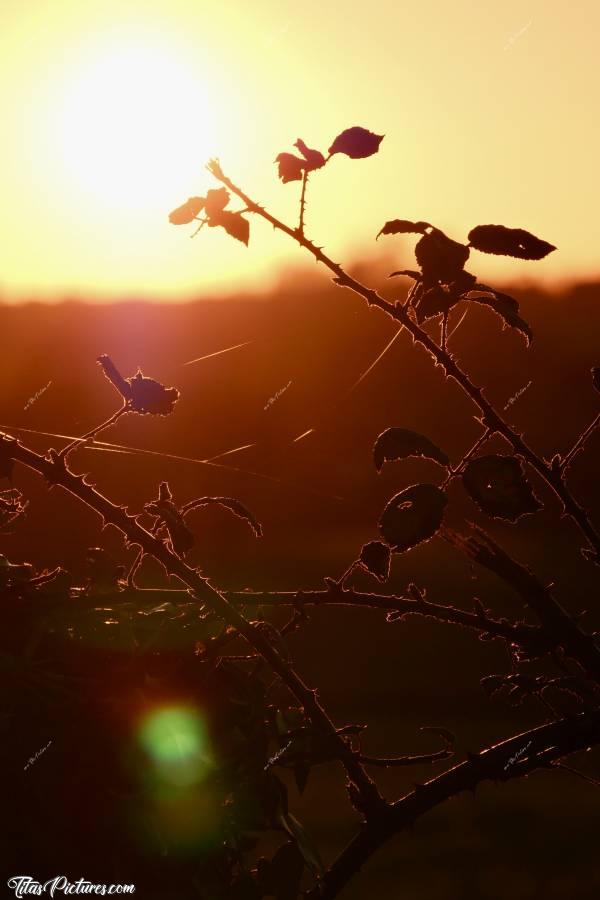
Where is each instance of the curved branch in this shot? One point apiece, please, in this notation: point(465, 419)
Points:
point(234, 506)
point(509, 759)
point(92, 434)
point(364, 791)
point(531, 636)
point(303, 202)
point(395, 761)
point(490, 418)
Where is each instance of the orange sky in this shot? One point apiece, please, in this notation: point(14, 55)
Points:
point(111, 107)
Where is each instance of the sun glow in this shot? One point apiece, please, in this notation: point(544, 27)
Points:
point(120, 117)
point(111, 108)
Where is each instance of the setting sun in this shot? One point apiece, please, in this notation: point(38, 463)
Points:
point(120, 118)
point(299, 431)
point(112, 109)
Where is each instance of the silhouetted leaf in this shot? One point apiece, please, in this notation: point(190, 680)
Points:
point(435, 301)
point(463, 283)
point(216, 201)
point(507, 308)
point(149, 396)
point(596, 378)
point(413, 516)
point(440, 258)
point(114, 376)
point(242, 512)
point(185, 214)
point(314, 158)
point(141, 394)
point(234, 224)
point(230, 503)
point(356, 142)
point(499, 487)
point(182, 539)
point(504, 241)
point(301, 774)
point(291, 168)
point(400, 443)
point(410, 273)
point(375, 557)
point(403, 226)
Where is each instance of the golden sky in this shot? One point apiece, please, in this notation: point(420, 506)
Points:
point(111, 107)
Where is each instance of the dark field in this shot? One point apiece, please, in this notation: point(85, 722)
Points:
point(318, 500)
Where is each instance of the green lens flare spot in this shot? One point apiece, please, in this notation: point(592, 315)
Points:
point(176, 740)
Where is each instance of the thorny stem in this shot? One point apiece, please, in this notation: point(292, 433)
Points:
point(412, 293)
point(365, 793)
point(302, 202)
point(459, 468)
point(556, 621)
point(530, 636)
point(512, 758)
point(490, 418)
point(92, 434)
point(203, 222)
point(402, 761)
point(415, 760)
point(341, 581)
point(130, 580)
point(541, 747)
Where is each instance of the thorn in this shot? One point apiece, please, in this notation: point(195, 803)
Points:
point(333, 585)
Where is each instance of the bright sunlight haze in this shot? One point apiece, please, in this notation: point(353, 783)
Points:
point(110, 111)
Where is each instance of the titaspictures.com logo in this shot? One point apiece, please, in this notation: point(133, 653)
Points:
point(26, 886)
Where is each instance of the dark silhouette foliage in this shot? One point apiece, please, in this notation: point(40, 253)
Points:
point(268, 728)
point(499, 487)
point(413, 516)
point(400, 443)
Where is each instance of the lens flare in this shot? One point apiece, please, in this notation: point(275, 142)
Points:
point(180, 808)
point(176, 740)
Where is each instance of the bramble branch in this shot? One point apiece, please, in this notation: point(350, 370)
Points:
point(491, 419)
point(532, 637)
point(56, 472)
point(500, 763)
point(556, 621)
